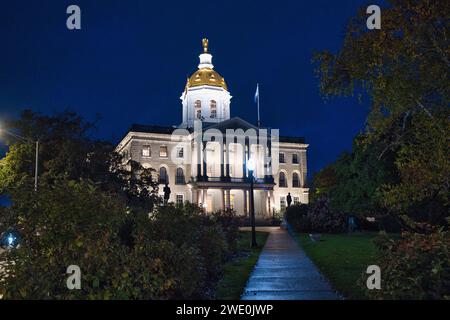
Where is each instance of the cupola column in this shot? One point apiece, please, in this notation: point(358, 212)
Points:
point(205, 173)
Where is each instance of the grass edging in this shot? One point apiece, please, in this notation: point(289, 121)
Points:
point(237, 271)
point(341, 258)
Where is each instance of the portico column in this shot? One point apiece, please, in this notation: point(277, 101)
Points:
point(244, 159)
point(228, 197)
point(199, 160)
point(222, 159)
point(205, 174)
point(204, 191)
point(269, 167)
point(194, 196)
point(222, 198)
point(245, 202)
point(198, 196)
point(227, 159)
point(271, 201)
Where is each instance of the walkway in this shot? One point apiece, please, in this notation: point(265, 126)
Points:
point(284, 272)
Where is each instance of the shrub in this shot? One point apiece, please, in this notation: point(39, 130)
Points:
point(383, 222)
point(177, 253)
point(213, 248)
point(214, 236)
point(63, 224)
point(297, 216)
point(323, 219)
point(417, 266)
point(317, 217)
point(230, 224)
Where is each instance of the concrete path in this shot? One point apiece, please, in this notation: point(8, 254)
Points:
point(284, 272)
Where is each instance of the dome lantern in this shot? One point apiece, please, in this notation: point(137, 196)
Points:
point(205, 75)
point(205, 97)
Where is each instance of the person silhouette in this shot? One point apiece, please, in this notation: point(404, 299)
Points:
point(166, 194)
point(289, 199)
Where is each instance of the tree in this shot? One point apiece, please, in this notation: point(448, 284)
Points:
point(67, 151)
point(404, 69)
point(75, 223)
point(323, 181)
point(99, 213)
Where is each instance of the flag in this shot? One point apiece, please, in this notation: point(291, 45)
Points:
point(257, 102)
point(257, 93)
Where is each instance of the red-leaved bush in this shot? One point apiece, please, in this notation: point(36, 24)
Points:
point(417, 266)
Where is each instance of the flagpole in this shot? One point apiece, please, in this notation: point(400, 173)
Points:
point(259, 120)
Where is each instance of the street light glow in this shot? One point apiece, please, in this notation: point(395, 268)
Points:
point(251, 164)
point(9, 240)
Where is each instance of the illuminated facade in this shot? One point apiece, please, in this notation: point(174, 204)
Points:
point(204, 161)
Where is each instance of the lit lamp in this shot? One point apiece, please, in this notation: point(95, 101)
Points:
point(251, 168)
point(10, 240)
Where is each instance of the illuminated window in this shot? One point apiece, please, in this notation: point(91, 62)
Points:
point(163, 152)
point(213, 109)
point(146, 151)
point(198, 109)
point(231, 201)
point(283, 203)
point(179, 200)
point(295, 180)
point(282, 180)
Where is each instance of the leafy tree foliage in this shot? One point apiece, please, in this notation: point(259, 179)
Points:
point(353, 183)
point(176, 254)
point(404, 69)
point(67, 151)
point(96, 210)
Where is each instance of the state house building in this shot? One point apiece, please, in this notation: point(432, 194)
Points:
point(215, 173)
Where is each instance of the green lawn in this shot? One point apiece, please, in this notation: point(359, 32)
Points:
point(237, 271)
point(342, 258)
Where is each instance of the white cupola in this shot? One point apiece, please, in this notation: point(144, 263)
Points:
point(205, 97)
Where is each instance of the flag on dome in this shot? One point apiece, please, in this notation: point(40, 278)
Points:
point(257, 93)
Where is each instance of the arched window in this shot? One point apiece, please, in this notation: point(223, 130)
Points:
point(179, 176)
point(295, 180)
point(213, 109)
point(163, 178)
point(282, 180)
point(198, 109)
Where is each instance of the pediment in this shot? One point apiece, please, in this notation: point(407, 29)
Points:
point(233, 123)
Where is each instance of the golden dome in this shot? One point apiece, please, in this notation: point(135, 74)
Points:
point(206, 77)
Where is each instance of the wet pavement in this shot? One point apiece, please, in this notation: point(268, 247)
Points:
point(284, 272)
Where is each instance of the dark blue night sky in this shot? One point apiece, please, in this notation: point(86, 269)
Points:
point(130, 61)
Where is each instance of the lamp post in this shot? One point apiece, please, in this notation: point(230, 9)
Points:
point(36, 165)
point(251, 168)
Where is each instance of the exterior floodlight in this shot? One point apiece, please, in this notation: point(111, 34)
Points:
point(251, 168)
point(10, 240)
point(251, 164)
